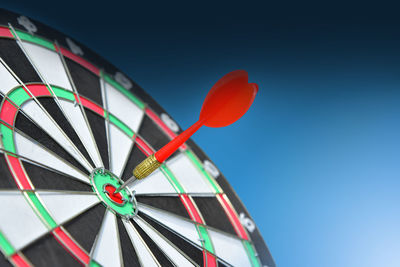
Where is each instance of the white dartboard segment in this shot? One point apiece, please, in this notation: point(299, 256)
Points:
point(188, 175)
point(156, 183)
point(107, 250)
point(123, 108)
point(77, 120)
point(33, 110)
point(172, 253)
point(120, 146)
point(49, 65)
point(7, 80)
point(31, 150)
point(143, 253)
point(229, 248)
point(64, 206)
point(177, 224)
point(21, 227)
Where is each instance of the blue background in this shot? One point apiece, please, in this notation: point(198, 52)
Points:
point(319, 149)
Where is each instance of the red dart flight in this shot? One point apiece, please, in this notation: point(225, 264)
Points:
point(226, 102)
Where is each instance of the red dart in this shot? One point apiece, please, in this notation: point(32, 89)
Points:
point(226, 102)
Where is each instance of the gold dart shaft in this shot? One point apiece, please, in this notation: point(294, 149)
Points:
point(146, 167)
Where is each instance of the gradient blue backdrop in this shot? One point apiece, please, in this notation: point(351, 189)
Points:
point(319, 149)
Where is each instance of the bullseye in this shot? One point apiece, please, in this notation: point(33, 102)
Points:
point(118, 198)
point(105, 183)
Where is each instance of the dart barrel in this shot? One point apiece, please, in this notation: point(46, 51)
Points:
point(146, 167)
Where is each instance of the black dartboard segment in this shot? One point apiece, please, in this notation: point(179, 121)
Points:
point(86, 226)
point(15, 59)
point(56, 256)
point(6, 179)
point(72, 129)
point(86, 82)
point(193, 252)
point(50, 179)
point(128, 251)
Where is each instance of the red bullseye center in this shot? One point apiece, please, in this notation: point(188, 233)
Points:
point(116, 197)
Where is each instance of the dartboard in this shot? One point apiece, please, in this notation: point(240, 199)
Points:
point(72, 129)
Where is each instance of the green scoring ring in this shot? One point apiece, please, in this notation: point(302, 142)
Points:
point(99, 179)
